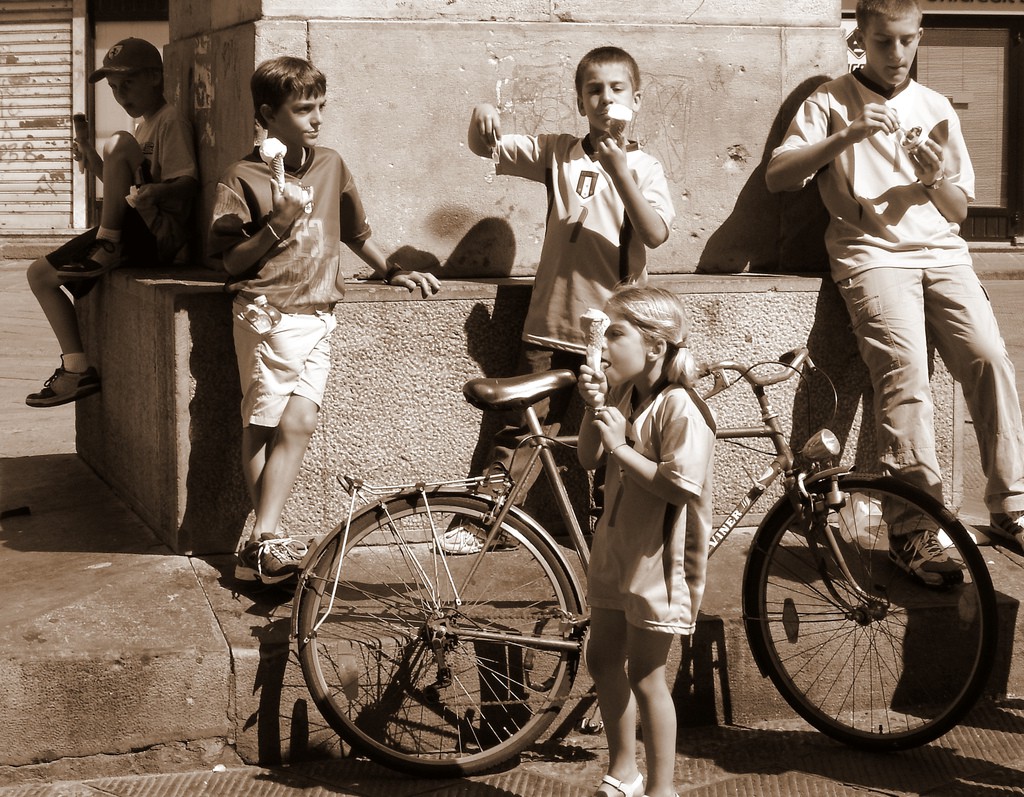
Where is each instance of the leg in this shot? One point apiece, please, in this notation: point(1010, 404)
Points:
point(606, 660)
point(56, 305)
point(283, 375)
point(551, 412)
point(256, 442)
point(122, 157)
point(504, 452)
point(284, 453)
point(647, 652)
point(75, 378)
point(967, 335)
point(886, 307)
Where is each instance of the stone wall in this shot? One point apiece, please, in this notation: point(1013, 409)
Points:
point(165, 432)
point(720, 81)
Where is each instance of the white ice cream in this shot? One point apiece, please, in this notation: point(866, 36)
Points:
point(620, 116)
point(273, 151)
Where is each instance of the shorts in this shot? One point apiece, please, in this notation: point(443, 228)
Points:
point(137, 242)
point(293, 359)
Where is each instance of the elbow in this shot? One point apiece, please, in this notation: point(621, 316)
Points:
point(773, 180)
point(778, 178)
point(656, 238)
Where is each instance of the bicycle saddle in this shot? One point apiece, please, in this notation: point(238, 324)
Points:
point(515, 392)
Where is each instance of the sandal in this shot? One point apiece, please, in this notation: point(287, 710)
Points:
point(634, 789)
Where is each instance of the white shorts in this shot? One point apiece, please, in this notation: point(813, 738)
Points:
point(293, 359)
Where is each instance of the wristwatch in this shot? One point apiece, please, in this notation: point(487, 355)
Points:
point(935, 185)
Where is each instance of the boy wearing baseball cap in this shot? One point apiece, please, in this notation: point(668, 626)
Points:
point(149, 180)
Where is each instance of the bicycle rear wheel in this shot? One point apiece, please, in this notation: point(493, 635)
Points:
point(422, 663)
point(870, 657)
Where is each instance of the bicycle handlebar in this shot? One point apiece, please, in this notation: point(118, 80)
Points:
point(793, 362)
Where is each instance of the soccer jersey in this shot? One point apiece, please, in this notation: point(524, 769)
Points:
point(304, 269)
point(649, 556)
point(589, 244)
point(880, 215)
point(168, 153)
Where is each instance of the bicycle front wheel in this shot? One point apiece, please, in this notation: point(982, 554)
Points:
point(431, 663)
point(860, 649)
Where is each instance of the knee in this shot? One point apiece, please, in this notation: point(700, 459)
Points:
point(122, 146)
point(647, 683)
point(603, 663)
point(300, 420)
point(41, 275)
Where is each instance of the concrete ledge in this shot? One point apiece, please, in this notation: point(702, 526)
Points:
point(165, 431)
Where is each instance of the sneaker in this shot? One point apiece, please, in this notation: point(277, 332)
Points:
point(460, 541)
point(465, 540)
point(1007, 527)
point(64, 387)
point(270, 560)
point(921, 555)
point(103, 256)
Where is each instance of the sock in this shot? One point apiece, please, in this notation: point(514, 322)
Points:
point(109, 235)
point(76, 362)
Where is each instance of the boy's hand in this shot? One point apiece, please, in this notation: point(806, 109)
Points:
point(873, 119)
point(927, 160)
point(593, 386)
point(289, 204)
point(484, 130)
point(411, 280)
point(611, 153)
point(145, 195)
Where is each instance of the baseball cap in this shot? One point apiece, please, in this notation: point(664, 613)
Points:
point(128, 55)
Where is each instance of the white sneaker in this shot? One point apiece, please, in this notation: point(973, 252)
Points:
point(460, 541)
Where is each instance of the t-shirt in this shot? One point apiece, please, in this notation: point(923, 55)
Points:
point(589, 244)
point(304, 269)
point(880, 215)
point(168, 153)
point(649, 556)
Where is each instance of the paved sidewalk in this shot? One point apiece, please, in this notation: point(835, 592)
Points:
point(72, 513)
point(982, 757)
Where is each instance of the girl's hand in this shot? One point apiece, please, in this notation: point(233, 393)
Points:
point(611, 425)
point(593, 386)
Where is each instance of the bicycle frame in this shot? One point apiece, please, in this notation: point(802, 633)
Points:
point(540, 448)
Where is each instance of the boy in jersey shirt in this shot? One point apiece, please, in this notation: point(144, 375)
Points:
point(894, 173)
point(284, 244)
point(608, 202)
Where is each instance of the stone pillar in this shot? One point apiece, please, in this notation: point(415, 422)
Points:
point(720, 81)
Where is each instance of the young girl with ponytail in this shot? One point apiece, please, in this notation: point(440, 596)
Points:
point(649, 554)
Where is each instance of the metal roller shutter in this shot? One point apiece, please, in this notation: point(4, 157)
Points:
point(35, 115)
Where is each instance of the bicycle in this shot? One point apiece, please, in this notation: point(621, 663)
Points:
point(446, 665)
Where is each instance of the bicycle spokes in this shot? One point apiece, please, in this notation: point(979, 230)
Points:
point(860, 648)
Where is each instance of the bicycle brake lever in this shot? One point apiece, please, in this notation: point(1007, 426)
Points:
point(721, 383)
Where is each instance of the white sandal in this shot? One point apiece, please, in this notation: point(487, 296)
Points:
point(634, 789)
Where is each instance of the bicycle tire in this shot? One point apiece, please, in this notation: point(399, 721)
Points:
point(376, 667)
point(891, 670)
